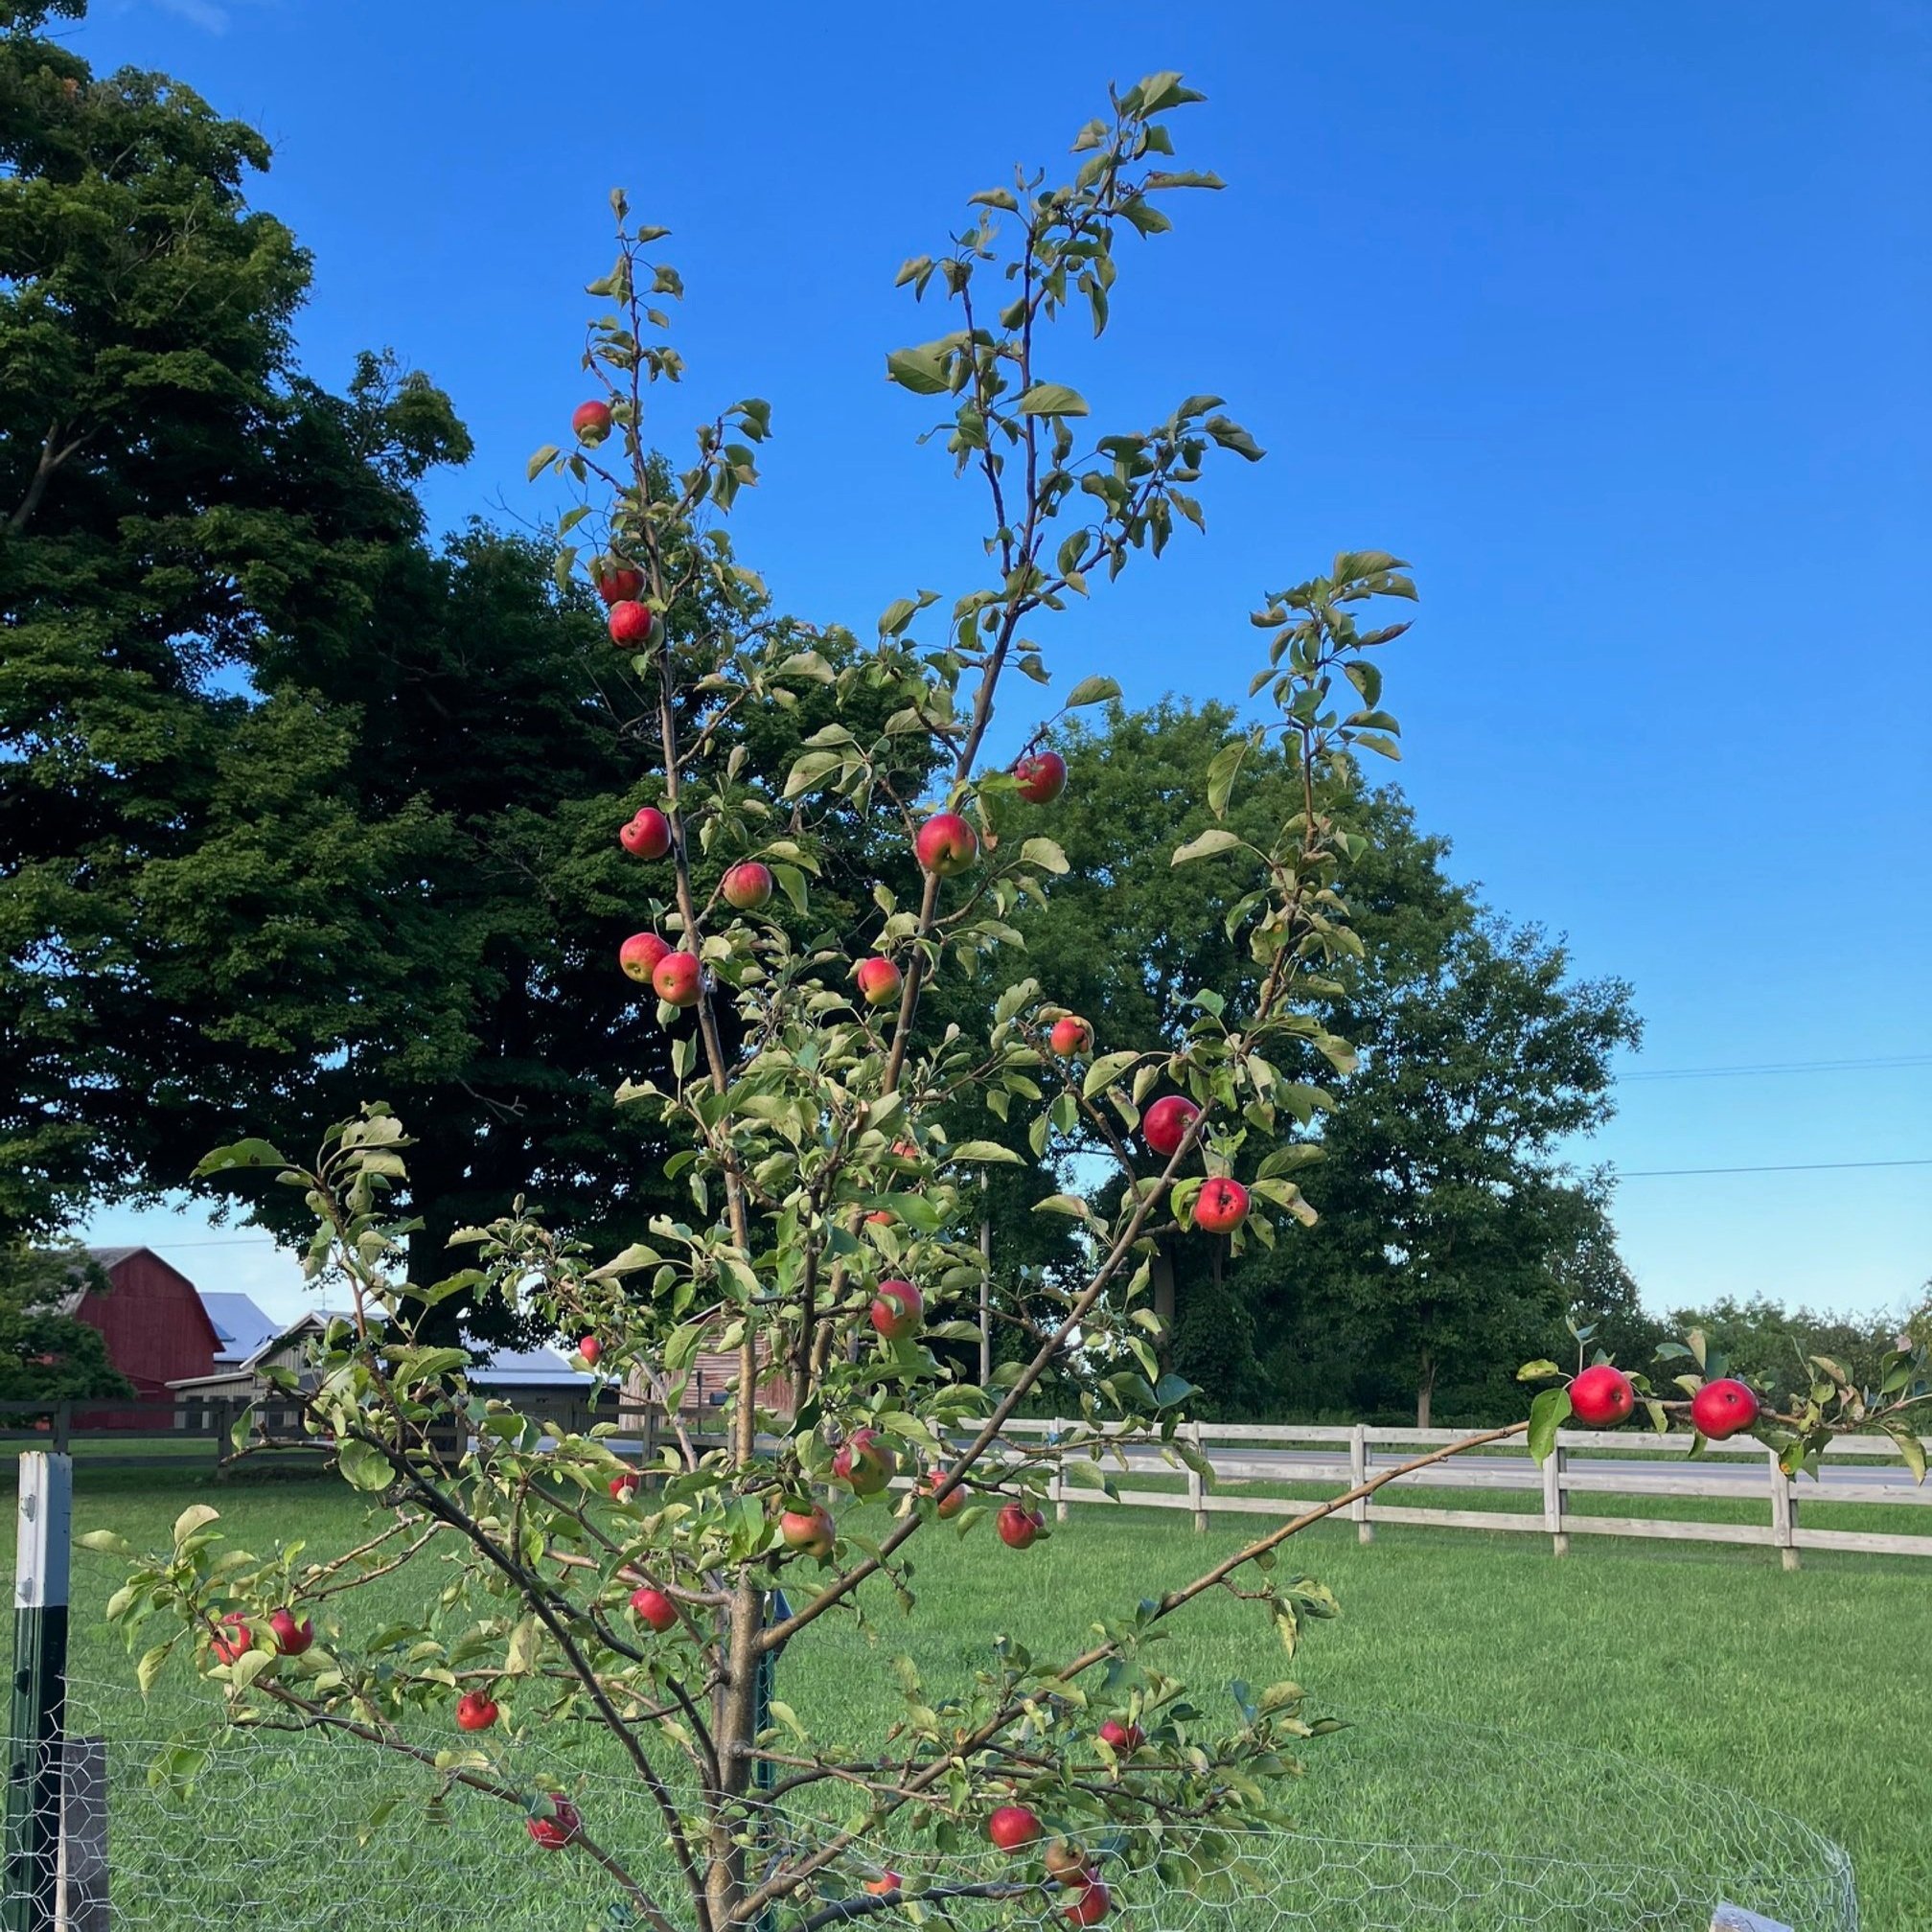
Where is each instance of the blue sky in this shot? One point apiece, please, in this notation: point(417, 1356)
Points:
point(1612, 317)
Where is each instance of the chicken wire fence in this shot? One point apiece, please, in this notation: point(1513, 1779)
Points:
point(1399, 1824)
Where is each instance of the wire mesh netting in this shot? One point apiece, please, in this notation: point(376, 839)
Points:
point(1399, 1824)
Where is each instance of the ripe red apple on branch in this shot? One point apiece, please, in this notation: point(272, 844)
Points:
point(558, 1828)
point(897, 1310)
point(946, 846)
point(590, 422)
point(617, 582)
point(1164, 1125)
point(1019, 1524)
point(291, 1639)
point(1723, 1409)
point(1601, 1397)
point(879, 981)
point(640, 954)
point(676, 979)
point(811, 1531)
point(865, 1461)
point(629, 622)
point(475, 1712)
point(1221, 1205)
point(747, 886)
point(1071, 1037)
point(653, 1607)
point(1041, 777)
point(647, 835)
point(1012, 1827)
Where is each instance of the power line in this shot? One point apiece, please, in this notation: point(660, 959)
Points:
point(1790, 1167)
point(1877, 1061)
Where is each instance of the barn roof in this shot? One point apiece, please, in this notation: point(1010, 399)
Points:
point(240, 1325)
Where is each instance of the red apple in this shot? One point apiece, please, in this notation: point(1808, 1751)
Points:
point(880, 1217)
point(865, 1462)
point(629, 622)
point(1164, 1125)
point(747, 886)
point(1122, 1737)
point(647, 835)
point(955, 1499)
point(559, 1828)
point(640, 954)
point(654, 1608)
point(1089, 1904)
point(1221, 1205)
point(896, 1310)
point(674, 978)
point(475, 1712)
point(1019, 1524)
point(292, 1638)
point(1041, 777)
point(590, 1348)
point(1066, 1863)
point(947, 845)
point(1601, 1397)
point(239, 1642)
point(1012, 1826)
point(879, 981)
point(810, 1531)
point(590, 422)
point(885, 1885)
point(1071, 1037)
point(1721, 1408)
point(617, 582)
point(625, 1487)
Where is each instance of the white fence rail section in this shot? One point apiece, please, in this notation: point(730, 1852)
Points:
point(1314, 1459)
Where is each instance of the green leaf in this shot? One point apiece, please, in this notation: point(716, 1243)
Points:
point(1051, 399)
point(1107, 1069)
point(150, 1667)
point(1091, 691)
point(1064, 1204)
point(1911, 1449)
point(921, 370)
point(1044, 854)
point(196, 1516)
point(1548, 1413)
point(983, 1153)
point(542, 461)
point(1216, 839)
point(1221, 773)
point(363, 1465)
point(242, 1154)
point(811, 769)
point(1537, 1371)
point(109, 1542)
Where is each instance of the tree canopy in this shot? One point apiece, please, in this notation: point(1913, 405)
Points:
point(1448, 1214)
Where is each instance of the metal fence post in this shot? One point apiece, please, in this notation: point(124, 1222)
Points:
point(33, 1754)
point(1553, 1499)
point(1783, 1513)
point(83, 1837)
point(1358, 1474)
point(1060, 1509)
point(1197, 1487)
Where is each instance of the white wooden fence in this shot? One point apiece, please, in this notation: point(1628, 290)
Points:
point(1311, 1459)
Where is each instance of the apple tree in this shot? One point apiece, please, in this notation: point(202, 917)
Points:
point(824, 1243)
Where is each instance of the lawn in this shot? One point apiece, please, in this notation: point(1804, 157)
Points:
point(1486, 1681)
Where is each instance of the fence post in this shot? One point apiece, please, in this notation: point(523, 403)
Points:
point(1553, 1499)
point(63, 1427)
point(1783, 1513)
point(1060, 1509)
point(83, 1837)
point(34, 1752)
point(1358, 1474)
point(1197, 1487)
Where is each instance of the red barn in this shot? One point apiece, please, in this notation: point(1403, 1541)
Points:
point(155, 1327)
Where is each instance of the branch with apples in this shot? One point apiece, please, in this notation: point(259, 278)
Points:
point(578, 1590)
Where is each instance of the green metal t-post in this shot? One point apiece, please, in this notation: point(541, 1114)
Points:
point(763, 1773)
point(35, 1743)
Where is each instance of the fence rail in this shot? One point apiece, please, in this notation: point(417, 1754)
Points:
point(1337, 1457)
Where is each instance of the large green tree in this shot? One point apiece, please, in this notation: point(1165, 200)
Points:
point(1448, 1215)
point(171, 497)
point(295, 806)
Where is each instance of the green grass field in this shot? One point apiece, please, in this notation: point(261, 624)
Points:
point(1809, 1692)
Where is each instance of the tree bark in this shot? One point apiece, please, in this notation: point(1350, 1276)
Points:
point(1425, 1389)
